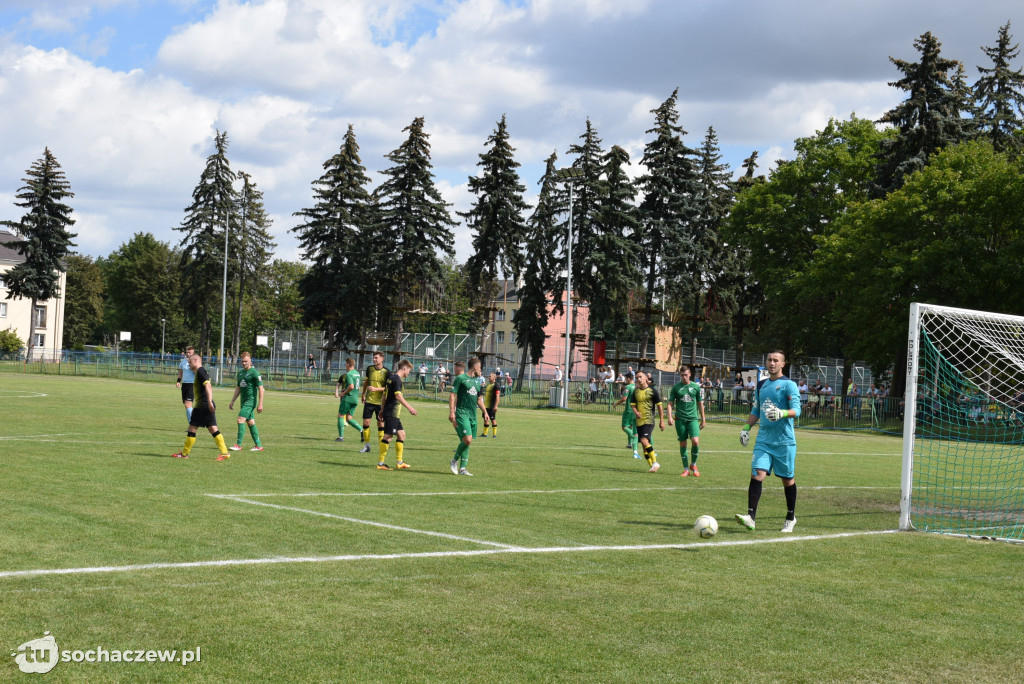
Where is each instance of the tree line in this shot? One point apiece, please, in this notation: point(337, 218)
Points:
point(821, 256)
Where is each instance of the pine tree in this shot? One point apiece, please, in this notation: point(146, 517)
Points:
point(541, 268)
point(414, 222)
point(496, 217)
point(43, 236)
point(669, 187)
point(928, 120)
point(999, 94)
point(206, 219)
point(333, 237)
point(253, 245)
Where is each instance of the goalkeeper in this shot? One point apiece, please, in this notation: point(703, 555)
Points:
point(775, 448)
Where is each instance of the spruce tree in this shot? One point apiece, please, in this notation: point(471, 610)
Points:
point(43, 238)
point(928, 120)
point(333, 237)
point(253, 246)
point(496, 217)
point(999, 95)
point(206, 219)
point(699, 254)
point(669, 187)
point(414, 222)
point(614, 257)
point(541, 268)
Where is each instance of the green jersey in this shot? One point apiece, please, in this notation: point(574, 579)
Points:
point(466, 391)
point(685, 400)
point(645, 400)
point(249, 382)
point(627, 410)
point(350, 378)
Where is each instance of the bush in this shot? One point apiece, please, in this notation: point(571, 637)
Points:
point(10, 343)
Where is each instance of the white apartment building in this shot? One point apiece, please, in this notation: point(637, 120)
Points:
point(41, 329)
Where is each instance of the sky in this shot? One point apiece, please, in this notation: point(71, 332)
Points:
point(128, 94)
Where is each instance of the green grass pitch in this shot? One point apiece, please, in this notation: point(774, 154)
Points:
point(562, 560)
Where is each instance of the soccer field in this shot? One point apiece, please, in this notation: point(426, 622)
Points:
point(562, 560)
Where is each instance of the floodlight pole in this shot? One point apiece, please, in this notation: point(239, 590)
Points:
point(163, 331)
point(569, 175)
point(223, 302)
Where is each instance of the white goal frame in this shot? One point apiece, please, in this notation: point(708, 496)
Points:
point(917, 313)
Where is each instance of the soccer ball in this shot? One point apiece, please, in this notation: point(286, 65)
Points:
point(706, 527)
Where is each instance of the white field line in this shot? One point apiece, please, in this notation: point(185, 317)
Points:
point(40, 437)
point(366, 522)
point(521, 491)
point(428, 554)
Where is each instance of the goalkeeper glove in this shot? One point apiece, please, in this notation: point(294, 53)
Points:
point(745, 436)
point(773, 413)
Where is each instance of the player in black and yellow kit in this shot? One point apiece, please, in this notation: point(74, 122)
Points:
point(203, 411)
point(645, 401)
point(392, 411)
point(377, 377)
point(492, 397)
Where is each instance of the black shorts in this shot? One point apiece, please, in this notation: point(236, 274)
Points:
point(644, 432)
point(187, 393)
point(370, 410)
point(491, 413)
point(203, 417)
point(392, 425)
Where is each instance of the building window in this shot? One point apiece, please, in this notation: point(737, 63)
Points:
point(3, 309)
point(499, 315)
point(501, 337)
point(39, 340)
point(512, 336)
point(39, 320)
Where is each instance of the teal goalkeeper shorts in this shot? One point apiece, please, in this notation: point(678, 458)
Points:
point(777, 458)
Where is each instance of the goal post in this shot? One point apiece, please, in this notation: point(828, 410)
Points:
point(963, 423)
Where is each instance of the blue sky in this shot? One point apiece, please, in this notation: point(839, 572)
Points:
point(129, 93)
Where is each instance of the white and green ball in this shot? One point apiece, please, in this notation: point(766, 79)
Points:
point(706, 527)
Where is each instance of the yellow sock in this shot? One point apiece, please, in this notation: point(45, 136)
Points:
point(219, 439)
point(383, 452)
point(189, 443)
point(486, 428)
point(399, 450)
point(365, 434)
point(494, 431)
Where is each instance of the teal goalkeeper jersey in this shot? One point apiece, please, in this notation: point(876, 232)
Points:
point(784, 394)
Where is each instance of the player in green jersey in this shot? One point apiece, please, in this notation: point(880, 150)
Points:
point(248, 385)
point(628, 419)
point(347, 392)
point(462, 405)
point(686, 404)
point(646, 400)
point(492, 397)
point(376, 376)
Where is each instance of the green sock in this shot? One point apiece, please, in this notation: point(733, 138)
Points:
point(682, 453)
point(354, 424)
point(341, 426)
point(254, 431)
point(241, 434)
point(694, 450)
point(462, 453)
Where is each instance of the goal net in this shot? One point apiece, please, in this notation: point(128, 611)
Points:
point(963, 425)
